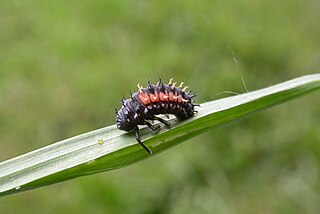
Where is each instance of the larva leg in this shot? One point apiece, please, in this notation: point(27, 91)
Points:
point(162, 121)
point(154, 128)
point(139, 140)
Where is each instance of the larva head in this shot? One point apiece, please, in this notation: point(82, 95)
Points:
point(123, 120)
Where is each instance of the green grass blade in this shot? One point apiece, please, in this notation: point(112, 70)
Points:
point(109, 148)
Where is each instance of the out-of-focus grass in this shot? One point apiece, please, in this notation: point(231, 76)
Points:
point(64, 66)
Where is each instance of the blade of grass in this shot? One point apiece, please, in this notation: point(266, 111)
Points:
point(109, 148)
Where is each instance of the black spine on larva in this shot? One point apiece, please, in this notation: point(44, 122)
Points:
point(134, 112)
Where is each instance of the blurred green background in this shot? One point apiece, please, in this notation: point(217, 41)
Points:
point(65, 64)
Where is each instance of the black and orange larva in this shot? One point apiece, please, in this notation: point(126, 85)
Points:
point(153, 100)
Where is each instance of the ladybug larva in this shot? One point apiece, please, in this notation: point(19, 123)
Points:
point(153, 100)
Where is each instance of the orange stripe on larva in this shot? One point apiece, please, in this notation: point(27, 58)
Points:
point(175, 98)
point(163, 96)
point(171, 96)
point(144, 97)
point(154, 97)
